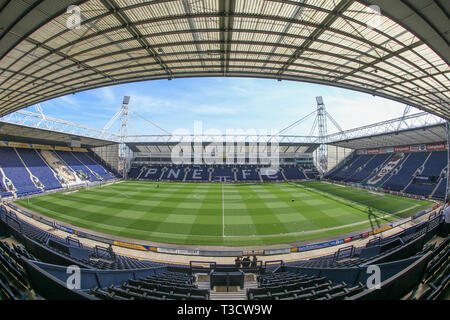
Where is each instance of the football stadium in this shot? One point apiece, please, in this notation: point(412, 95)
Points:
point(355, 213)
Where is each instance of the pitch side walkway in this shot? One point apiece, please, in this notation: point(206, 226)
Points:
point(185, 259)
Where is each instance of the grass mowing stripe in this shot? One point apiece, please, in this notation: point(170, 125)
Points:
point(223, 213)
point(326, 220)
point(187, 213)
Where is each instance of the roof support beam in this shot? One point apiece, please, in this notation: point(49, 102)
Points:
point(88, 61)
point(134, 31)
point(328, 21)
point(226, 7)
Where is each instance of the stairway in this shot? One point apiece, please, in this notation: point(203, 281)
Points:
point(283, 175)
point(235, 293)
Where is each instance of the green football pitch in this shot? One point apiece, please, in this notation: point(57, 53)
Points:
point(223, 214)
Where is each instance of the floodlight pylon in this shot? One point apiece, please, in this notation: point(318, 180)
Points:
point(322, 159)
point(123, 154)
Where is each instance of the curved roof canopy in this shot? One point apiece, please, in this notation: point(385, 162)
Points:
point(401, 55)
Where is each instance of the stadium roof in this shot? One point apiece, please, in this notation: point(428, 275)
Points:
point(165, 144)
point(403, 57)
point(408, 137)
point(20, 133)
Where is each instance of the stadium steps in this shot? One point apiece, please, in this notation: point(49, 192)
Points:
point(162, 173)
point(89, 169)
point(440, 181)
point(361, 168)
point(235, 293)
point(240, 294)
point(28, 170)
point(378, 169)
point(283, 175)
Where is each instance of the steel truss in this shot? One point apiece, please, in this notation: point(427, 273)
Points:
point(40, 121)
point(282, 139)
point(407, 122)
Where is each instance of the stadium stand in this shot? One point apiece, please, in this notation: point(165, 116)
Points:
point(294, 173)
point(198, 173)
point(417, 173)
point(172, 173)
point(366, 170)
point(269, 174)
point(40, 263)
point(214, 173)
point(25, 172)
point(100, 171)
point(352, 166)
point(14, 169)
point(80, 169)
point(248, 173)
point(223, 174)
point(37, 166)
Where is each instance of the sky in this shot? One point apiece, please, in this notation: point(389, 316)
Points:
point(221, 104)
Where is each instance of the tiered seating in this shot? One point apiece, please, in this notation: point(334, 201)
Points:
point(166, 286)
point(14, 169)
point(10, 261)
point(348, 170)
point(90, 162)
point(294, 286)
point(220, 173)
point(3, 189)
point(441, 189)
point(432, 171)
point(198, 173)
point(121, 263)
point(399, 172)
point(312, 173)
point(174, 173)
point(223, 174)
point(247, 174)
point(403, 177)
point(384, 246)
point(294, 173)
point(371, 165)
point(75, 164)
point(39, 168)
point(98, 258)
point(26, 166)
point(326, 278)
point(271, 175)
point(146, 172)
point(8, 291)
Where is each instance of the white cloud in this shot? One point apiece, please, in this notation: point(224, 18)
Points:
point(107, 95)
